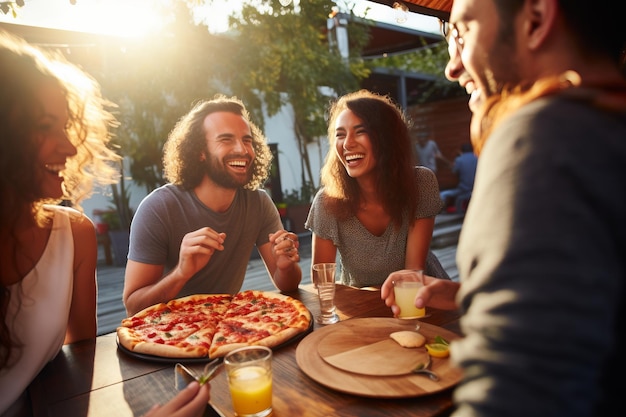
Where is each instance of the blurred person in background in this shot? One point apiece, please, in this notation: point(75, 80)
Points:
point(428, 152)
point(465, 169)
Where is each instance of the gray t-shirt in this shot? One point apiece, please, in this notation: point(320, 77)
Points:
point(168, 213)
point(366, 259)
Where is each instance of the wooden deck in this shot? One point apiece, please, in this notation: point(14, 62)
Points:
point(111, 278)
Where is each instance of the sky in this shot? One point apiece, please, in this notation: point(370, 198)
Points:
point(120, 17)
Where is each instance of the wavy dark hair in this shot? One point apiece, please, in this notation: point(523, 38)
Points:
point(24, 70)
point(388, 129)
point(187, 141)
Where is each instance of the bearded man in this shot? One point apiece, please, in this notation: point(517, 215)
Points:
point(195, 234)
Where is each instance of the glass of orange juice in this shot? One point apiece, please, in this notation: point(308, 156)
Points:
point(249, 373)
point(406, 283)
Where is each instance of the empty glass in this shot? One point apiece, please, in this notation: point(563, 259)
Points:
point(324, 280)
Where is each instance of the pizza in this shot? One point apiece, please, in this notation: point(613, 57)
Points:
point(211, 325)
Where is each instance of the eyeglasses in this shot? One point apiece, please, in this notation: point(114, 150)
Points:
point(451, 32)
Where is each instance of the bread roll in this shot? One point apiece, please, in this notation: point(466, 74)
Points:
point(408, 339)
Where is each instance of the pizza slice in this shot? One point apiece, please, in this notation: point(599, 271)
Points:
point(210, 304)
point(270, 307)
point(166, 341)
point(162, 330)
point(234, 333)
point(200, 341)
point(258, 318)
point(153, 315)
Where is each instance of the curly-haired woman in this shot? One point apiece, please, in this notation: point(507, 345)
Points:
point(376, 207)
point(54, 131)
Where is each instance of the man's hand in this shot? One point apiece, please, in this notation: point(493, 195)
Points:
point(285, 248)
point(437, 293)
point(190, 402)
point(196, 250)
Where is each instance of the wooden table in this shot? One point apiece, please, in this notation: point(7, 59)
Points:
point(95, 378)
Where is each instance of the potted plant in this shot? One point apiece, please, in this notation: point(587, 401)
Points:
point(298, 205)
point(118, 219)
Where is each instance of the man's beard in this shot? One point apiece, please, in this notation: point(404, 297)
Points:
point(217, 172)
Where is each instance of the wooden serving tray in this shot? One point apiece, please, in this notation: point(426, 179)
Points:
point(388, 357)
point(358, 357)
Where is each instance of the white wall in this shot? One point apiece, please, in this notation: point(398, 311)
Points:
point(279, 129)
point(102, 198)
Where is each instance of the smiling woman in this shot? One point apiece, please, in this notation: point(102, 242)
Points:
point(112, 17)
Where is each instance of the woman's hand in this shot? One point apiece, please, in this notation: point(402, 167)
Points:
point(190, 402)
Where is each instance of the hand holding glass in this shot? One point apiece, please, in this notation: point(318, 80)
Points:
point(249, 371)
point(405, 287)
point(324, 280)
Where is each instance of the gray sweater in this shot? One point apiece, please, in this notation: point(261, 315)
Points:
point(542, 262)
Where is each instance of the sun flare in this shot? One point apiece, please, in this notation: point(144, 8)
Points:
point(125, 18)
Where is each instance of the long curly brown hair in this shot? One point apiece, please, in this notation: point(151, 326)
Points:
point(389, 133)
point(24, 70)
point(187, 142)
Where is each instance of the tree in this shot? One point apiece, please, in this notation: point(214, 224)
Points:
point(281, 55)
point(273, 56)
point(153, 84)
point(11, 6)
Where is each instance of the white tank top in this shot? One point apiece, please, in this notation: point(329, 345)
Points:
point(39, 310)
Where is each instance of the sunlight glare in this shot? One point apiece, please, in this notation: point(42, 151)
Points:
point(215, 15)
point(123, 18)
point(117, 17)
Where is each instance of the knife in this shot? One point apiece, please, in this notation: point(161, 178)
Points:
point(183, 375)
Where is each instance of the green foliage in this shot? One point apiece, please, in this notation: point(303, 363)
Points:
point(432, 60)
point(281, 55)
point(272, 56)
point(302, 196)
point(112, 219)
point(11, 6)
point(155, 83)
point(120, 213)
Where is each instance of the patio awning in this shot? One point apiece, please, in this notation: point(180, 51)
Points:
point(436, 8)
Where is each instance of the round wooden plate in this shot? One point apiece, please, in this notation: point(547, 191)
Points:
point(359, 341)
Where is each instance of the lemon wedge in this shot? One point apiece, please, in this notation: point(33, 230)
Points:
point(438, 350)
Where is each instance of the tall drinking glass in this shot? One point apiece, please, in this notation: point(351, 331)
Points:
point(324, 280)
point(249, 372)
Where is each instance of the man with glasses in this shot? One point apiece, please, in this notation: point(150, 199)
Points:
point(541, 255)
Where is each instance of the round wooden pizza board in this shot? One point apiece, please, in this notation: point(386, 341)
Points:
point(358, 357)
